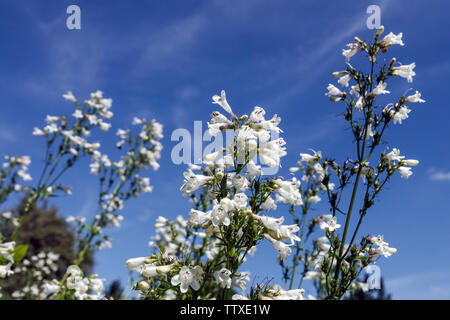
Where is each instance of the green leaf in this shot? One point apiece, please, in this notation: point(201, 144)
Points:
point(20, 252)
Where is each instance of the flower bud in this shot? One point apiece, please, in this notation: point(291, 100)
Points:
point(143, 286)
point(410, 162)
point(379, 32)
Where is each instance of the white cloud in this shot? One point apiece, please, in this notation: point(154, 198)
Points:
point(438, 175)
point(421, 286)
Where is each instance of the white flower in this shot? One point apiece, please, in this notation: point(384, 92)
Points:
point(343, 81)
point(329, 222)
point(5, 270)
point(137, 121)
point(240, 279)
point(289, 192)
point(150, 270)
point(359, 105)
point(222, 276)
point(383, 248)
point(188, 277)
point(219, 215)
point(269, 204)
point(405, 71)
point(135, 263)
point(410, 162)
point(400, 115)
point(415, 98)
point(69, 97)
point(310, 158)
point(279, 294)
point(257, 114)
point(197, 217)
point(394, 155)
point(380, 88)
point(78, 114)
point(353, 49)
point(333, 91)
point(222, 101)
point(38, 132)
point(283, 249)
point(240, 182)
point(272, 151)
point(405, 172)
point(391, 39)
point(253, 170)
point(193, 181)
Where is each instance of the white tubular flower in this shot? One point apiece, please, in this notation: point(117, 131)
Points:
point(272, 151)
point(282, 248)
point(38, 132)
point(223, 277)
point(410, 162)
point(271, 125)
point(269, 204)
point(289, 192)
point(217, 123)
point(222, 101)
point(405, 172)
point(219, 215)
point(78, 114)
point(380, 89)
point(353, 49)
point(137, 121)
point(415, 98)
point(197, 217)
point(394, 155)
point(329, 222)
point(240, 279)
point(212, 156)
point(383, 248)
point(5, 270)
point(239, 202)
point(135, 263)
point(400, 115)
point(391, 39)
point(405, 71)
point(240, 182)
point(188, 277)
point(193, 181)
point(333, 91)
point(69, 97)
point(276, 293)
point(253, 170)
point(343, 81)
point(355, 90)
point(257, 114)
point(150, 270)
point(308, 158)
point(359, 104)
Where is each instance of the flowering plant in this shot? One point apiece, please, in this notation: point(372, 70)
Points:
point(234, 200)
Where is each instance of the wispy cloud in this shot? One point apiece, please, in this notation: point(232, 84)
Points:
point(421, 286)
point(439, 175)
point(7, 134)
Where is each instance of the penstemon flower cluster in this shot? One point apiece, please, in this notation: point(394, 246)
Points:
point(201, 257)
point(67, 141)
point(235, 204)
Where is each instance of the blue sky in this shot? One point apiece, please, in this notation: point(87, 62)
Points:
point(165, 59)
